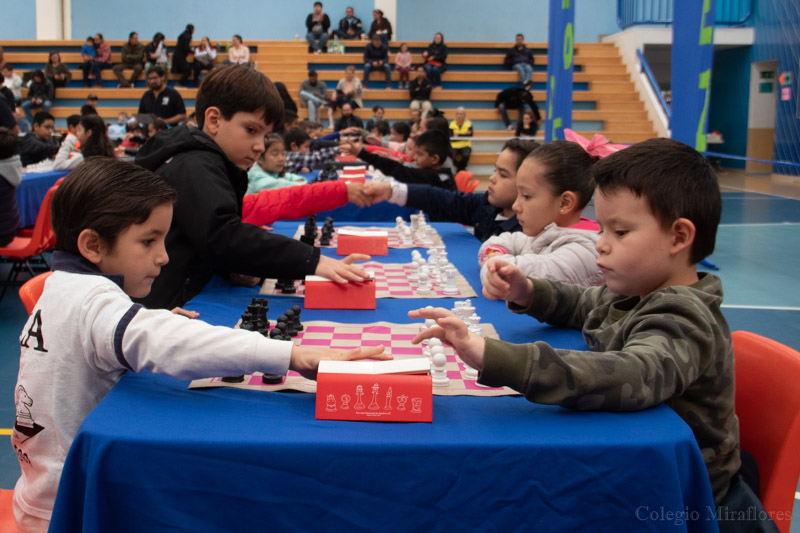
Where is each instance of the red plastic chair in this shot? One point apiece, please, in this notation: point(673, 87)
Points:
point(7, 522)
point(768, 407)
point(464, 181)
point(26, 251)
point(31, 290)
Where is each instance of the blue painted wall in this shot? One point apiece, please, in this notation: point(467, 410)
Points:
point(19, 19)
point(252, 19)
point(777, 27)
point(730, 89)
point(482, 20)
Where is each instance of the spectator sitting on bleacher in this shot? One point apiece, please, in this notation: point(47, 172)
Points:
point(349, 89)
point(348, 119)
point(528, 125)
point(376, 56)
point(350, 27)
point(10, 178)
point(155, 53)
point(90, 107)
point(161, 100)
point(377, 114)
point(132, 58)
point(183, 48)
point(314, 95)
point(103, 60)
point(381, 27)
point(402, 64)
point(515, 98)
point(92, 135)
point(116, 132)
point(88, 56)
point(38, 144)
point(461, 127)
point(6, 94)
point(13, 83)
point(56, 71)
point(40, 95)
point(520, 58)
point(204, 56)
point(419, 91)
point(435, 57)
point(238, 53)
point(317, 25)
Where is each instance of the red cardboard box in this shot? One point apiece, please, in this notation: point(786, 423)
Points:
point(323, 293)
point(362, 242)
point(373, 391)
point(353, 179)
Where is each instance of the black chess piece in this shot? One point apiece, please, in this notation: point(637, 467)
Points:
point(247, 322)
point(286, 286)
point(272, 379)
point(281, 326)
point(234, 379)
point(291, 328)
point(275, 333)
point(296, 310)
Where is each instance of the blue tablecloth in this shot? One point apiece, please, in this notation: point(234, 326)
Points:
point(31, 192)
point(155, 456)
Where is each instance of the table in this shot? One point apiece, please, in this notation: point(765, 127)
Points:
point(31, 192)
point(155, 456)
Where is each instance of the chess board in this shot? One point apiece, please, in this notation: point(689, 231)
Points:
point(394, 238)
point(396, 338)
point(391, 281)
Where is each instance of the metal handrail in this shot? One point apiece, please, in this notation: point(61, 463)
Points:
point(654, 83)
point(648, 12)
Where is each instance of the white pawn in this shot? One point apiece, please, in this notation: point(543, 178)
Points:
point(434, 342)
point(473, 323)
point(424, 286)
point(433, 350)
point(450, 283)
point(469, 372)
point(415, 255)
point(439, 374)
point(414, 274)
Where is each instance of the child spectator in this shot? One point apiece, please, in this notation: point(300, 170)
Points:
point(40, 95)
point(56, 71)
point(432, 150)
point(155, 126)
point(402, 64)
point(91, 133)
point(111, 220)
point(655, 330)
point(376, 56)
point(13, 82)
point(134, 136)
point(435, 57)
point(155, 53)
point(204, 56)
point(419, 91)
point(238, 53)
point(461, 127)
point(528, 125)
point(490, 212)
point(235, 108)
point(269, 171)
point(314, 95)
point(10, 178)
point(378, 113)
point(88, 56)
point(38, 144)
point(380, 130)
point(90, 107)
point(554, 184)
point(133, 57)
point(515, 98)
point(116, 132)
point(72, 123)
point(299, 156)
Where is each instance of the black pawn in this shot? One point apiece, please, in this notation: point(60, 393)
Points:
point(272, 379)
point(291, 329)
point(275, 333)
point(282, 328)
point(296, 310)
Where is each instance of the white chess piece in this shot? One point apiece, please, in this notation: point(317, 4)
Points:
point(450, 284)
point(414, 274)
point(469, 372)
point(473, 323)
point(439, 374)
point(424, 286)
point(435, 350)
point(433, 342)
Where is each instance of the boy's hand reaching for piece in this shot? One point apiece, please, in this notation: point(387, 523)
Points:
point(305, 360)
point(378, 192)
point(344, 270)
point(505, 281)
point(453, 331)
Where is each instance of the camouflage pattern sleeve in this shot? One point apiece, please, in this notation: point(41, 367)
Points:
point(560, 304)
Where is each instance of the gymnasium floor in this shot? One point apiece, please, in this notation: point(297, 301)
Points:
point(757, 245)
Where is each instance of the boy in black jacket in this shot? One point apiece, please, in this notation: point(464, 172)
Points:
point(235, 108)
point(38, 145)
point(489, 212)
point(433, 148)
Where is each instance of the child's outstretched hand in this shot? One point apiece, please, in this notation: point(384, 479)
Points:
point(505, 281)
point(344, 270)
point(452, 331)
point(350, 146)
point(357, 195)
point(378, 192)
point(185, 312)
point(305, 360)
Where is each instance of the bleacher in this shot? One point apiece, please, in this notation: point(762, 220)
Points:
point(604, 98)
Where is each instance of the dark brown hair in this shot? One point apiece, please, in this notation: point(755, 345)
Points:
point(520, 148)
point(674, 179)
point(107, 196)
point(235, 88)
point(567, 167)
point(98, 143)
point(9, 145)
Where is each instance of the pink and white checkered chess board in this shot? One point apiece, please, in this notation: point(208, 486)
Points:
point(394, 238)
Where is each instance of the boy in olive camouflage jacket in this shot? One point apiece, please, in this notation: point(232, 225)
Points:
point(655, 330)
